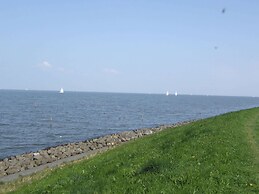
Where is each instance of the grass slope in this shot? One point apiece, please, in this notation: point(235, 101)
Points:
point(215, 155)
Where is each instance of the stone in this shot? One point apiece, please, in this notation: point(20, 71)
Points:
point(19, 158)
point(2, 174)
point(13, 169)
point(99, 145)
point(79, 151)
point(127, 135)
point(36, 154)
point(13, 162)
point(12, 158)
point(92, 147)
point(22, 168)
point(85, 148)
point(29, 156)
point(6, 160)
point(146, 131)
point(29, 166)
point(37, 157)
point(3, 167)
point(68, 153)
point(25, 162)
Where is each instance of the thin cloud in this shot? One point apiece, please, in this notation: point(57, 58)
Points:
point(61, 69)
point(45, 65)
point(111, 71)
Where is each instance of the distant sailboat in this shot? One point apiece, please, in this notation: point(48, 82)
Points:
point(167, 93)
point(176, 94)
point(61, 91)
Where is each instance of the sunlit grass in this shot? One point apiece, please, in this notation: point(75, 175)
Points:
point(208, 156)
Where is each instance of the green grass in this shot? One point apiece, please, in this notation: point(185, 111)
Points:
point(215, 155)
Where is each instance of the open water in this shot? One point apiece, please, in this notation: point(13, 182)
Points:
point(32, 120)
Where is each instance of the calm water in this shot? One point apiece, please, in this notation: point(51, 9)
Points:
point(32, 120)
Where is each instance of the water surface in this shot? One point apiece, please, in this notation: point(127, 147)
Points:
point(32, 120)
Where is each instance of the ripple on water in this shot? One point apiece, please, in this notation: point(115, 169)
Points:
point(4, 124)
point(35, 120)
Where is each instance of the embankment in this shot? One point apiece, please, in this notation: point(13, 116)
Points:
point(27, 162)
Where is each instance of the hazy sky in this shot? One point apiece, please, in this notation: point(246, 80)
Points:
point(146, 46)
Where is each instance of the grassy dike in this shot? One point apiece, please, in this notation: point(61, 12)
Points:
point(215, 155)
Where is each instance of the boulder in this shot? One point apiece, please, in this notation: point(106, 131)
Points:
point(2, 174)
point(29, 166)
point(146, 131)
point(127, 135)
point(3, 167)
point(13, 169)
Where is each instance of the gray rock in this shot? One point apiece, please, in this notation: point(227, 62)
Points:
point(127, 135)
point(13, 162)
point(37, 156)
point(29, 156)
point(13, 169)
point(146, 131)
point(25, 162)
point(6, 160)
point(99, 145)
point(91, 147)
point(2, 174)
point(3, 167)
point(29, 166)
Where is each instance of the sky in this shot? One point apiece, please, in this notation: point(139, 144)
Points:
point(133, 46)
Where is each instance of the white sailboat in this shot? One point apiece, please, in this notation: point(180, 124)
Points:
point(176, 94)
point(61, 91)
point(167, 93)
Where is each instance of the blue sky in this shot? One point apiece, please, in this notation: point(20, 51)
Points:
point(142, 46)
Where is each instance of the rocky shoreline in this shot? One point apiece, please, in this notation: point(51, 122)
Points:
point(27, 161)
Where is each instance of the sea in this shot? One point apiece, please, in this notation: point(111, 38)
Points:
point(33, 120)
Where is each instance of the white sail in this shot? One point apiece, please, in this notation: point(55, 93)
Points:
point(61, 91)
point(167, 93)
point(176, 94)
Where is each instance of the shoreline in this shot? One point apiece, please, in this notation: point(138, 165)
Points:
point(11, 168)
